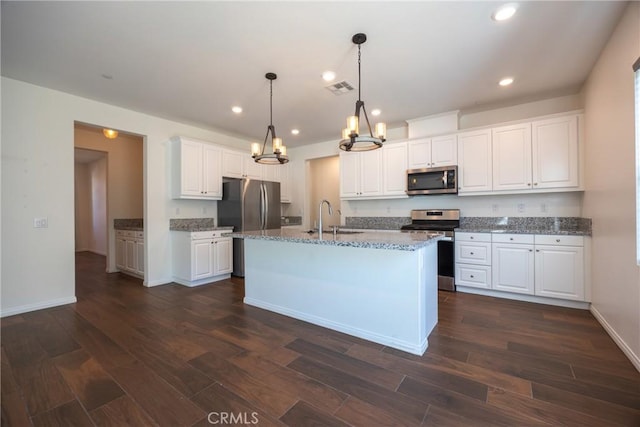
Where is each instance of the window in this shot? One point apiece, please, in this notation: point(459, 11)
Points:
point(636, 70)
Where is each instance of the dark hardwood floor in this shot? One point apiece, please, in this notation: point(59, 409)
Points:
point(126, 355)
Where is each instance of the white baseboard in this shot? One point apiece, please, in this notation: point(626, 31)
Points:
point(192, 284)
point(523, 297)
point(635, 360)
point(38, 306)
point(157, 282)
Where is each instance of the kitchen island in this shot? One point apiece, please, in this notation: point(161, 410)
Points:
point(379, 286)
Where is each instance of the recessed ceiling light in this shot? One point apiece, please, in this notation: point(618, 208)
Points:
point(375, 112)
point(328, 76)
point(236, 109)
point(505, 12)
point(295, 131)
point(506, 81)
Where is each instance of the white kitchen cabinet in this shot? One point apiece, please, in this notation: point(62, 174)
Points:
point(474, 161)
point(394, 167)
point(253, 170)
point(433, 152)
point(559, 267)
point(473, 260)
point(130, 252)
point(196, 169)
point(233, 164)
point(555, 152)
point(201, 257)
point(361, 174)
point(285, 182)
point(513, 263)
point(511, 148)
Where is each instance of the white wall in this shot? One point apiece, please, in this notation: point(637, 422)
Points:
point(549, 204)
point(610, 196)
point(37, 181)
point(83, 208)
point(99, 224)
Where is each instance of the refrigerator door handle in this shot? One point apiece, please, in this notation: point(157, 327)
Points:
point(266, 206)
point(263, 203)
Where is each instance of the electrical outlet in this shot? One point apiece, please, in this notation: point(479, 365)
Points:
point(521, 207)
point(204, 210)
point(177, 211)
point(494, 207)
point(543, 207)
point(40, 223)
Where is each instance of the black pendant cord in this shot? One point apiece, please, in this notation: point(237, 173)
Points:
point(360, 102)
point(270, 128)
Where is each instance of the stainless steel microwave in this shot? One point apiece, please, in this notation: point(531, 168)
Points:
point(442, 180)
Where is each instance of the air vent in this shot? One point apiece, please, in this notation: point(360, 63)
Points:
point(340, 87)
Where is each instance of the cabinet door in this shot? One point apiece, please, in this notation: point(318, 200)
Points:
point(139, 256)
point(201, 259)
point(190, 168)
point(555, 152)
point(349, 175)
point(121, 253)
point(271, 172)
point(252, 169)
point(232, 163)
point(419, 154)
point(512, 268)
point(285, 185)
point(131, 257)
point(370, 173)
point(474, 161)
point(211, 172)
point(223, 256)
point(511, 146)
point(560, 272)
point(394, 160)
point(444, 151)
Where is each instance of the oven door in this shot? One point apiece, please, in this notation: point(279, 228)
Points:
point(446, 262)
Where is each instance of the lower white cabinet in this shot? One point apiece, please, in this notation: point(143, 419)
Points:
point(201, 257)
point(512, 263)
point(559, 269)
point(551, 266)
point(130, 252)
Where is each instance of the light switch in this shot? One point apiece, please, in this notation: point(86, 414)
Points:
point(40, 223)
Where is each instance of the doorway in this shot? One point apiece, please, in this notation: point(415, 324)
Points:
point(323, 183)
point(109, 185)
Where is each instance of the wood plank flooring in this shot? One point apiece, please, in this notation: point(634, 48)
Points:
point(126, 355)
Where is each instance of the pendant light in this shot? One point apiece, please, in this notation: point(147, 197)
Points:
point(278, 155)
point(110, 133)
point(351, 138)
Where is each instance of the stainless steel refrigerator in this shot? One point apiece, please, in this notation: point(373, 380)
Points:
point(248, 205)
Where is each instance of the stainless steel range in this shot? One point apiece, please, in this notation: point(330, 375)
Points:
point(443, 221)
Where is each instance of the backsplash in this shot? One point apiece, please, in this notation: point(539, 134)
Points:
point(377, 222)
point(190, 224)
point(530, 223)
point(128, 223)
point(290, 220)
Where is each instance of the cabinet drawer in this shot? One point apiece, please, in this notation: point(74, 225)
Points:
point(139, 234)
point(477, 276)
point(211, 234)
point(560, 240)
point(525, 239)
point(473, 237)
point(473, 253)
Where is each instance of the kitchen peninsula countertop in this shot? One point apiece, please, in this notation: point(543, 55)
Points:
point(390, 240)
point(569, 226)
point(131, 224)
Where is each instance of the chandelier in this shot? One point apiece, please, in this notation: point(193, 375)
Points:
point(351, 138)
point(278, 155)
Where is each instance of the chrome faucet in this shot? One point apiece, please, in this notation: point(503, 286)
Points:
point(320, 216)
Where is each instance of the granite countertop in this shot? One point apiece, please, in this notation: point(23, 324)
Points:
point(195, 224)
point(568, 226)
point(387, 240)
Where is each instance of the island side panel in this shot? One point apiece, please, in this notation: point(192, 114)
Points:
point(385, 296)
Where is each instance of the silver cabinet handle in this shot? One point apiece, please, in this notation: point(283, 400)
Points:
point(558, 240)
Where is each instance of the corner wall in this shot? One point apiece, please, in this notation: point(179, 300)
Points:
point(610, 196)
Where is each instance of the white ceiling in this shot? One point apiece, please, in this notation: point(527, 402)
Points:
point(191, 61)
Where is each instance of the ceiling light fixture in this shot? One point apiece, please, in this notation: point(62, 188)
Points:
point(295, 132)
point(506, 81)
point(375, 112)
point(328, 76)
point(505, 12)
point(351, 138)
point(236, 109)
point(279, 154)
point(110, 133)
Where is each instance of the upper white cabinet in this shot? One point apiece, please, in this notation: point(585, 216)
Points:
point(251, 169)
point(233, 164)
point(474, 161)
point(433, 152)
point(285, 182)
point(238, 164)
point(394, 166)
point(511, 146)
point(196, 170)
point(361, 174)
point(555, 152)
